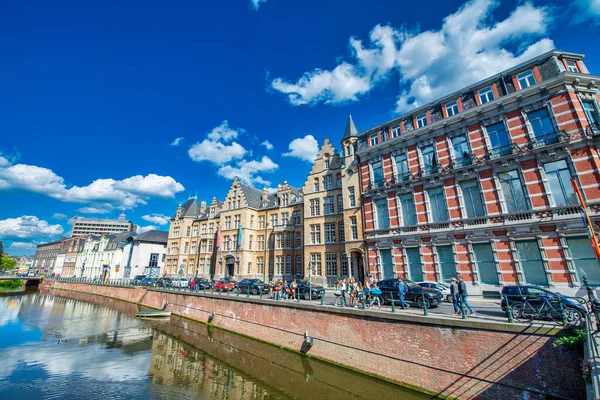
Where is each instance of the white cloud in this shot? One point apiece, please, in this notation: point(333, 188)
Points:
point(144, 229)
point(267, 145)
point(468, 47)
point(216, 152)
point(177, 141)
point(224, 132)
point(128, 192)
point(256, 3)
point(23, 246)
point(246, 170)
point(27, 227)
point(584, 10)
point(305, 148)
point(59, 216)
point(93, 210)
point(159, 219)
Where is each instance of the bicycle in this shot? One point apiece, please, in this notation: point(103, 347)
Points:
point(525, 312)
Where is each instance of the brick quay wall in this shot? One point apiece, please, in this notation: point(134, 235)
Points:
point(448, 357)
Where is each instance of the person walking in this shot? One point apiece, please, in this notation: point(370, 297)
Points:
point(454, 294)
point(193, 284)
point(402, 293)
point(462, 294)
point(343, 290)
point(294, 287)
point(375, 293)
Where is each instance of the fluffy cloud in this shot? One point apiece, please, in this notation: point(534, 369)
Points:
point(93, 210)
point(584, 10)
point(305, 148)
point(267, 145)
point(128, 192)
point(27, 227)
point(157, 219)
point(177, 141)
point(256, 3)
point(468, 47)
point(246, 170)
point(59, 216)
point(23, 246)
point(144, 229)
point(216, 152)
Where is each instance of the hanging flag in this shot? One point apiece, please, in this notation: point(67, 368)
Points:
point(239, 243)
point(218, 243)
point(586, 220)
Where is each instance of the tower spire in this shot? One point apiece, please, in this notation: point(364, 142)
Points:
point(351, 130)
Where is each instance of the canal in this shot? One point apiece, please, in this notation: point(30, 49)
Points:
point(57, 345)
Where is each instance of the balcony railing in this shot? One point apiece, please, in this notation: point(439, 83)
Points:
point(464, 161)
point(501, 151)
point(546, 140)
point(430, 170)
point(403, 177)
point(283, 228)
point(593, 130)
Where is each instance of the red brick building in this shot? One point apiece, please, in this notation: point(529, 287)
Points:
point(478, 182)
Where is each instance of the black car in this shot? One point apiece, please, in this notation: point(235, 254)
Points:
point(138, 279)
point(415, 294)
point(164, 282)
point(535, 295)
point(148, 282)
point(201, 283)
point(253, 286)
point(308, 291)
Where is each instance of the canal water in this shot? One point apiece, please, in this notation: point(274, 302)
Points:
point(84, 347)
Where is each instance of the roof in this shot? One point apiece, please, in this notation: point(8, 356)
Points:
point(253, 195)
point(153, 236)
point(351, 130)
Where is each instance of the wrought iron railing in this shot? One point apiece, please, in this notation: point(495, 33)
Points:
point(464, 161)
point(546, 140)
point(500, 151)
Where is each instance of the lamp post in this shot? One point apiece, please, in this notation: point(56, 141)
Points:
point(310, 270)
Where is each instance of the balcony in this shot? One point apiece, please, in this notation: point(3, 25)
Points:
point(546, 140)
point(430, 169)
point(501, 151)
point(284, 228)
point(402, 177)
point(464, 161)
point(593, 129)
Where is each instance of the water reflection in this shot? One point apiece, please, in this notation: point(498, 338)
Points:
point(92, 348)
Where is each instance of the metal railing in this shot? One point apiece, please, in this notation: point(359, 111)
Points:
point(500, 151)
point(546, 140)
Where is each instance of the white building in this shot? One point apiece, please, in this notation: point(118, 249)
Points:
point(93, 226)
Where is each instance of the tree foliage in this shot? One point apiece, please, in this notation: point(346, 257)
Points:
point(7, 263)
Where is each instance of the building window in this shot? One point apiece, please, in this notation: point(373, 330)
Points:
point(541, 123)
point(250, 240)
point(342, 233)
point(203, 246)
point(260, 265)
point(185, 247)
point(396, 130)
point(472, 198)
point(236, 222)
point(210, 246)
point(261, 222)
point(288, 241)
point(430, 164)
point(316, 184)
point(402, 172)
point(526, 79)
point(531, 262)
point(285, 199)
point(344, 265)
point(340, 204)
point(328, 182)
point(261, 242)
point(285, 218)
point(437, 202)
point(288, 265)
point(296, 218)
point(298, 264)
point(377, 169)
point(446, 261)
point(338, 180)
point(196, 230)
point(211, 228)
point(572, 65)
point(251, 221)
point(274, 220)
point(351, 197)
point(514, 193)
point(462, 152)
point(330, 233)
point(315, 260)
point(348, 151)
point(421, 120)
point(298, 240)
point(271, 242)
point(315, 208)
point(387, 263)
point(407, 208)
point(452, 108)
point(486, 95)
point(328, 206)
point(498, 140)
point(271, 266)
point(331, 264)
point(415, 267)
point(373, 139)
point(187, 231)
point(584, 259)
point(327, 163)
point(315, 234)
point(227, 222)
point(278, 265)
point(484, 257)
point(590, 112)
point(559, 179)
point(354, 228)
point(383, 219)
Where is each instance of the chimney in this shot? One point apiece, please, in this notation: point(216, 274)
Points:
point(203, 205)
point(265, 194)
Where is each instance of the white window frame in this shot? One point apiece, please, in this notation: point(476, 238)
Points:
point(421, 120)
point(526, 75)
point(451, 106)
point(373, 139)
point(487, 91)
point(572, 66)
point(396, 130)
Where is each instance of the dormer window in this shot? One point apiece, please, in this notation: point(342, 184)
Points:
point(452, 108)
point(316, 184)
point(373, 139)
point(385, 134)
point(526, 79)
point(421, 120)
point(486, 95)
point(327, 163)
point(348, 150)
point(396, 130)
point(572, 65)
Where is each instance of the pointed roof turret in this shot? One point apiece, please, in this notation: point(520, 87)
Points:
point(351, 130)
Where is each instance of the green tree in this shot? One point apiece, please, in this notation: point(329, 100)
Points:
point(1, 248)
point(7, 263)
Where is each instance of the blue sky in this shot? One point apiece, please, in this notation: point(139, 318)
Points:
point(141, 104)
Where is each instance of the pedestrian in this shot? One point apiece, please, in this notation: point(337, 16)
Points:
point(352, 292)
point(371, 280)
point(294, 286)
point(343, 289)
point(463, 296)
point(375, 293)
point(338, 292)
point(454, 294)
point(402, 293)
point(193, 284)
point(360, 295)
point(284, 290)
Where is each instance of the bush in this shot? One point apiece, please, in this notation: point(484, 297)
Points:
point(573, 339)
point(11, 284)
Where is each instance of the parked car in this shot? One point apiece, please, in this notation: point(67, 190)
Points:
point(535, 295)
point(254, 286)
point(230, 280)
point(415, 294)
point(148, 282)
point(201, 283)
point(180, 282)
point(442, 287)
point(308, 291)
point(137, 280)
point(164, 282)
point(224, 286)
